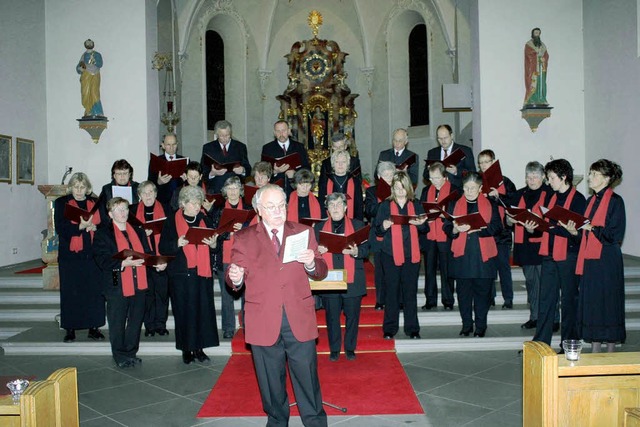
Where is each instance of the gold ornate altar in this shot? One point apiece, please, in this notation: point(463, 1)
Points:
point(317, 102)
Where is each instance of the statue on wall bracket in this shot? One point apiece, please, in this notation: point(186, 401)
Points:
point(93, 120)
point(536, 61)
point(317, 102)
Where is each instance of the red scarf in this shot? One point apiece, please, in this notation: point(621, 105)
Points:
point(76, 244)
point(158, 213)
point(227, 244)
point(436, 232)
point(350, 193)
point(590, 246)
point(314, 207)
point(349, 261)
point(197, 254)
point(519, 229)
point(560, 244)
point(397, 243)
point(126, 275)
point(488, 248)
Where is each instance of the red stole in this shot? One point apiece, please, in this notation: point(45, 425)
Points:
point(560, 244)
point(292, 212)
point(158, 213)
point(436, 232)
point(488, 248)
point(350, 195)
point(197, 254)
point(227, 244)
point(397, 244)
point(76, 244)
point(518, 232)
point(349, 261)
point(126, 275)
point(590, 246)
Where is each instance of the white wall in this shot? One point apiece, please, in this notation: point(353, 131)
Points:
point(23, 114)
point(120, 31)
point(504, 26)
point(612, 91)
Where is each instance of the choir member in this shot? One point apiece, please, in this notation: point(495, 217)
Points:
point(350, 259)
point(81, 300)
point(341, 181)
point(190, 277)
point(473, 261)
point(400, 255)
point(302, 202)
point(601, 316)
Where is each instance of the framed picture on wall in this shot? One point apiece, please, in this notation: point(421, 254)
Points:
point(6, 159)
point(25, 161)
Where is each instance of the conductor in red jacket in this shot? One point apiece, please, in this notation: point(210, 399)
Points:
point(280, 319)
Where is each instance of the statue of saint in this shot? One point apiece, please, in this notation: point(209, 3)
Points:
point(318, 125)
point(536, 60)
point(89, 70)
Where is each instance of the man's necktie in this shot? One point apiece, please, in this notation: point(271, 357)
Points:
point(446, 153)
point(275, 241)
point(284, 148)
point(224, 150)
point(170, 158)
point(397, 157)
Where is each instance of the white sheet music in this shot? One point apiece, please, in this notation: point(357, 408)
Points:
point(122, 191)
point(295, 244)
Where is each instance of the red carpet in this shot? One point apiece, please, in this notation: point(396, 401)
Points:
point(374, 383)
point(35, 270)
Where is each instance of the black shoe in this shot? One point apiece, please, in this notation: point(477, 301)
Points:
point(401, 307)
point(428, 306)
point(125, 364)
point(351, 355)
point(388, 336)
point(70, 336)
point(228, 335)
point(162, 331)
point(187, 357)
point(448, 307)
point(466, 332)
point(479, 334)
point(149, 332)
point(136, 361)
point(334, 356)
point(95, 334)
point(379, 306)
point(508, 305)
point(529, 324)
point(414, 336)
point(493, 302)
point(199, 354)
point(556, 326)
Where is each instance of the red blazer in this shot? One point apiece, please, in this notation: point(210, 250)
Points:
point(272, 285)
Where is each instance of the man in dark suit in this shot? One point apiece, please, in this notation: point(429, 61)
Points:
point(280, 318)
point(282, 146)
point(399, 153)
point(165, 184)
point(224, 150)
point(447, 146)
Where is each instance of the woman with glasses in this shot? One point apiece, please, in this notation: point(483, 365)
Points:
point(350, 259)
point(400, 255)
point(125, 281)
point(81, 300)
point(302, 202)
point(122, 177)
point(473, 261)
point(601, 316)
point(190, 273)
point(342, 181)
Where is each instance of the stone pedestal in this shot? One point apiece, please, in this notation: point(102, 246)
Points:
point(50, 276)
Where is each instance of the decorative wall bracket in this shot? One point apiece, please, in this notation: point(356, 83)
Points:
point(94, 126)
point(263, 79)
point(368, 73)
point(535, 115)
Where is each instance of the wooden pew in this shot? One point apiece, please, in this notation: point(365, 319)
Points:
point(37, 405)
point(65, 383)
point(593, 392)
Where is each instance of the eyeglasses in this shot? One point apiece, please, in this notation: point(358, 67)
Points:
point(337, 205)
point(121, 173)
point(436, 178)
point(121, 210)
point(274, 208)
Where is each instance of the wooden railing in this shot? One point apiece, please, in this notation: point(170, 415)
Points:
point(595, 391)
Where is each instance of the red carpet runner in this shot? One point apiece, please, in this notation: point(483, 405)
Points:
point(375, 383)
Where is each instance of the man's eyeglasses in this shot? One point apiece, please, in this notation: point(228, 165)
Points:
point(274, 208)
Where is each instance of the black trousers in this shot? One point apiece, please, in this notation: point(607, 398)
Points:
point(558, 277)
point(157, 301)
point(124, 315)
point(379, 278)
point(504, 270)
point(270, 363)
point(474, 295)
point(334, 305)
point(437, 257)
point(401, 285)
